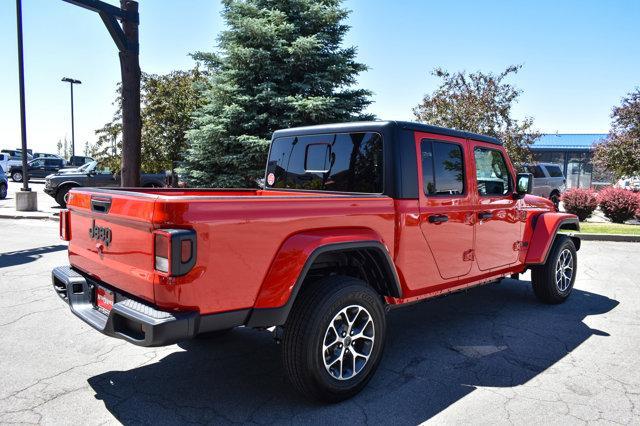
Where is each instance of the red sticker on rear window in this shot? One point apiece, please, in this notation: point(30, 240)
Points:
point(271, 179)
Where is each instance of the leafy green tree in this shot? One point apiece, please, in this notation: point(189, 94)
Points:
point(620, 152)
point(168, 103)
point(280, 63)
point(481, 103)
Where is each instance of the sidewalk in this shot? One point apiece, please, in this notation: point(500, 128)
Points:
point(47, 206)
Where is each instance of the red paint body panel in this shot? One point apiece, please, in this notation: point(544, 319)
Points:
point(253, 244)
point(293, 255)
point(547, 226)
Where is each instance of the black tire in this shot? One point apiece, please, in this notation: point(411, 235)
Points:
point(3, 191)
point(543, 278)
point(555, 199)
point(62, 194)
point(307, 329)
point(16, 176)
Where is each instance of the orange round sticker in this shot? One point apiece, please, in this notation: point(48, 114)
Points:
point(271, 179)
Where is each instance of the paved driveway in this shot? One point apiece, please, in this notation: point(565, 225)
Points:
point(490, 355)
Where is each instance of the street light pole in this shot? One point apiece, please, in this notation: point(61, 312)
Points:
point(71, 82)
point(23, 119)
point(26, 200)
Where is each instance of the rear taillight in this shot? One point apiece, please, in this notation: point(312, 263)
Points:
point(174, 251)
point(65, 225)
point(161, 252)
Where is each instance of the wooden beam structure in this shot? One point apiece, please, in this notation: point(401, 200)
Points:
point(125, 35)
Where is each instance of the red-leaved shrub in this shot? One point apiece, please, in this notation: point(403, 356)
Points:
point(618, 204)
point(581, 202)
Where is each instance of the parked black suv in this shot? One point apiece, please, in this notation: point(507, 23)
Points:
point(37, 169)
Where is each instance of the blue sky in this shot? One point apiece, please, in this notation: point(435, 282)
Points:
point(580, 57)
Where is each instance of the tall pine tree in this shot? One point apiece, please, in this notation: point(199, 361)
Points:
point(280, 63)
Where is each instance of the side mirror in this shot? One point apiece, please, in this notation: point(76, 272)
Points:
point(524, 184)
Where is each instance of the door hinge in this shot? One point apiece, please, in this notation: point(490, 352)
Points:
point(468, 255)
point(520, 245)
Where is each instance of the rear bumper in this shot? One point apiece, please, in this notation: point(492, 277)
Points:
point(130, 320)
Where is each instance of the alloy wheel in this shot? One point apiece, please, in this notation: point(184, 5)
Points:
point(348, 342)
point(564, 270)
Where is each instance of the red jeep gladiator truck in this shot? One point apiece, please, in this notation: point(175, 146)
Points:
point(354, 219)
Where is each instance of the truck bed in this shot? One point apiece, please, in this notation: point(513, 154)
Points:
point(239, 233)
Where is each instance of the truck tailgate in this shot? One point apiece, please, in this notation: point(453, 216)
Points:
point(112, 240)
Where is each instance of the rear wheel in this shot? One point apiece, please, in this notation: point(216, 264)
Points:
point(553, 282)
point(3, 191)
point(16, 176)
point(334, 338)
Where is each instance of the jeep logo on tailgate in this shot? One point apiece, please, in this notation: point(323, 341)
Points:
point(99, 233)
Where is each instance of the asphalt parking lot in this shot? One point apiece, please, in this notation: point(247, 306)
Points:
point(489, 355)
point(47, 206)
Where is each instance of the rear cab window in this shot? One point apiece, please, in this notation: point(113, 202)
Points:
point(343, 162)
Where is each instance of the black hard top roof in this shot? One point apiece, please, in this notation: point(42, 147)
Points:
point(359, 126)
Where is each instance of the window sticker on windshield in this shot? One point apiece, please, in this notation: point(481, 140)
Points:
point(271, 179)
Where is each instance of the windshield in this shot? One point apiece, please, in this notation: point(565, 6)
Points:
point(85, 167)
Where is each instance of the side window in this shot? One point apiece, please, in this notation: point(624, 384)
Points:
point(37, 163)
point(102, 169)
point(554, 171)
point(492, 174)
point(442, 168)
point(536, 171)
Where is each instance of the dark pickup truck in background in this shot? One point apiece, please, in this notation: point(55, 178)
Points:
point(37, 169)
point(92, 174)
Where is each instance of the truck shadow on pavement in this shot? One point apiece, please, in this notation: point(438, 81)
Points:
point(21, 257)
point(437, 352)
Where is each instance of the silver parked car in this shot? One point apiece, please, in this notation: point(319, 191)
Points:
point(548, 181)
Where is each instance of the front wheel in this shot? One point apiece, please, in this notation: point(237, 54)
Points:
point(555, 199)
point(61, 196)
point(334, 338)
point(552, 282)
point(16, 176)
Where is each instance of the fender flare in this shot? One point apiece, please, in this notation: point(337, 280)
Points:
point(70, 183)
point(545, 231)
point(292, 263)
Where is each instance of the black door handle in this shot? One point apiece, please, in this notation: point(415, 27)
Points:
point(485, 215)
point(438, 218)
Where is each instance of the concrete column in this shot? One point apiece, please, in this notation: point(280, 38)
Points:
point(26, 201)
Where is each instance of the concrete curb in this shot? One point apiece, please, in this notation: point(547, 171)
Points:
point(17, 216)
point(608, 237)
